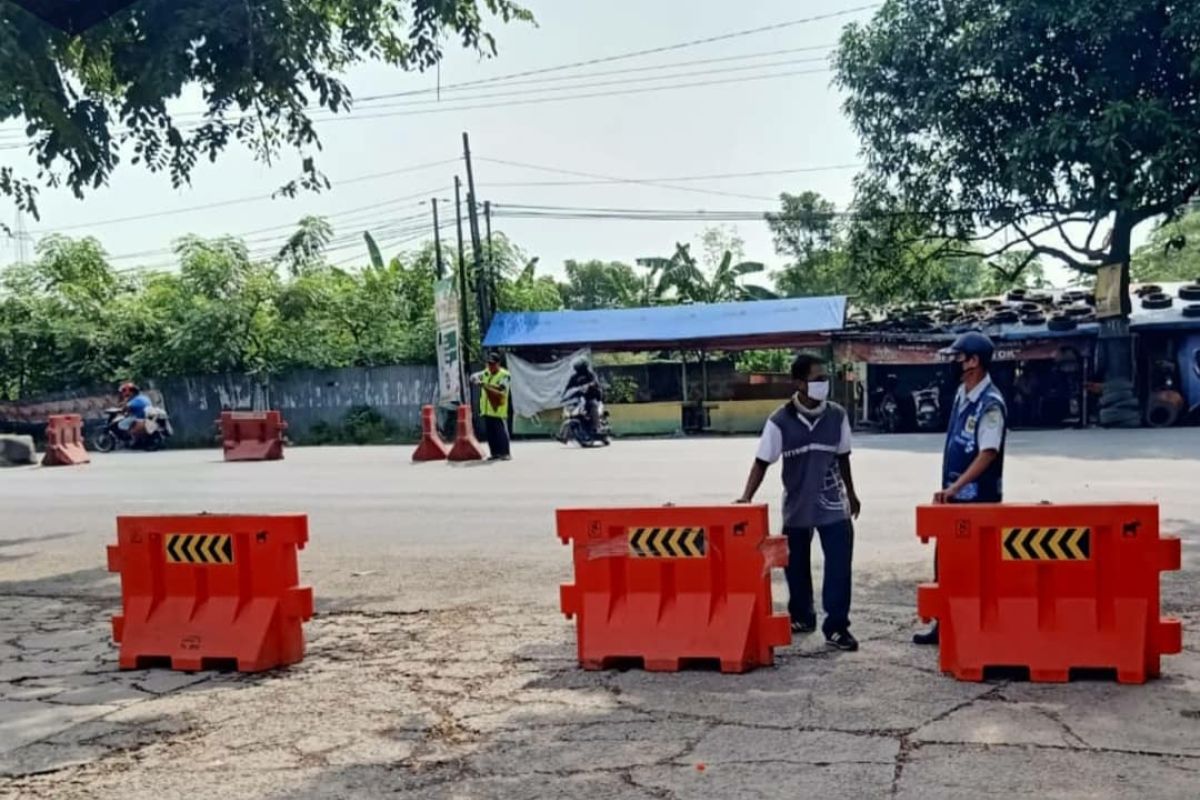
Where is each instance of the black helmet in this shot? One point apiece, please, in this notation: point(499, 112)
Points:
point(581, 365)
point(972, 343)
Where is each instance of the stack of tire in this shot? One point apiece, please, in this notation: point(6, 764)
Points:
point(1190, 295)
point(1119, 407)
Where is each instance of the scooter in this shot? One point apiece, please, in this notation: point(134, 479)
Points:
point(577, 425)
point(157, 430)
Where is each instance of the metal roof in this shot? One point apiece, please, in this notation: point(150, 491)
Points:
point(762, 323)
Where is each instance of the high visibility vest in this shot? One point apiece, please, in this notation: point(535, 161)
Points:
point(499, 379)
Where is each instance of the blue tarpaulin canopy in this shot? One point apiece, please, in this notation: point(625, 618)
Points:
point(718, 326)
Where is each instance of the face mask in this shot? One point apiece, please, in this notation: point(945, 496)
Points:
point(818, 390)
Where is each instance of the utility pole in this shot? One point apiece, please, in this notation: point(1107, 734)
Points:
point(491, 257)
point(476, 244)
point(437, 243)
point(462, 280)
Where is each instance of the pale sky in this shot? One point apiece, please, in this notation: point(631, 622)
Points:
point(739, 125)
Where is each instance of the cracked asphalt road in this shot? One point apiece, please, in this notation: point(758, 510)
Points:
point(439, 667)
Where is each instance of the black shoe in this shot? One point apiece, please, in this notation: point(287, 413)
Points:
point(842, 640)
point(931, 636)
point(804, 625)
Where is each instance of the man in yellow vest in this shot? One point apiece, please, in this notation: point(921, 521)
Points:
point(494, 383)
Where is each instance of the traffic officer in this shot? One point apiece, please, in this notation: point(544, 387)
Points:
point(495, 383)
point(973, 460)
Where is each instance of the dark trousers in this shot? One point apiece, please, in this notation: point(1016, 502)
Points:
point(497, 436)
point(837, 542)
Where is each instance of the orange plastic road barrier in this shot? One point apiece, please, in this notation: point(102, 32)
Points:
point(431, 448)
point(252, 435)
point(64, 441)
point(466, 446)
point(1049, 587)
point(673, 585)
point(210, 592)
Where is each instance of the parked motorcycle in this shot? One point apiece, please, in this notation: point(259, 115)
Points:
point(887, 406)
point(928, 403)
point(577, 422)
point(157, 430)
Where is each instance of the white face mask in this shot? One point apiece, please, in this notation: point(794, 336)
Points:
point(818, 390)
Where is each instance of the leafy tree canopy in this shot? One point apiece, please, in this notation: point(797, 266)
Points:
point(263, 67)
point(1040, 117)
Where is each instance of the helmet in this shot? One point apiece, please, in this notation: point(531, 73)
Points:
point(972, 343)
point(581, 365)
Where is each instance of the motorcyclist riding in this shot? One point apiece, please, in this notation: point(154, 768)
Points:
point(585, 380)
point(134, 403)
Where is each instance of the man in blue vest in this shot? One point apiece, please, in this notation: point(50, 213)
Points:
point(811, 435)
point(973, 461)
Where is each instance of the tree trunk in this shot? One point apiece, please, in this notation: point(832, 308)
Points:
point(1119, 405)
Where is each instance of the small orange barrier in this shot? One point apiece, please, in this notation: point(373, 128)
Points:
point(209, 592)
point(1049, 587)
point(673, 585)
point(466, 446)
point(431, 448)
point(252, 435)
point(64, 441)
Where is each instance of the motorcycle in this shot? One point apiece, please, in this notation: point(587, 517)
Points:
point(928, 403)
point(887, 406)
point(577, 423)
point(157, 430)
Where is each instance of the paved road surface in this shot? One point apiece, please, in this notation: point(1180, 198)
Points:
point(439, 666)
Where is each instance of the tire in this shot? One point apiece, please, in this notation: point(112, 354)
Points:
point(104, 442)
point(1190, 292)
point(1162, 415)
point(1016, 295)
point(1004, 318)
point(1033, 319)
point(1061, 322)
point(1078, 311)
point(154, 443)
point(1157, 301)
point(1148, 289)
point(1120, 418)
point(1192, 311)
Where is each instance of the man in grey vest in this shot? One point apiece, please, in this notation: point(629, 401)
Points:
point(812, 436)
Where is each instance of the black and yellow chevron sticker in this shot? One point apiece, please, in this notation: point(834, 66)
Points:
point(199, 548)
point(1046, 544)
point(668, 542)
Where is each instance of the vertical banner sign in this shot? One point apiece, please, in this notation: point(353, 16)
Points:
point(449, 346)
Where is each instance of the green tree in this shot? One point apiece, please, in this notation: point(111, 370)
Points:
point(1042, 118)
point(266, 71)
point(601, 284)
point(808, 231)
point(680, 279)
point(1172, 253)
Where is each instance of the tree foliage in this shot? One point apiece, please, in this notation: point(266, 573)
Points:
point(680, 279)
point(1050, 119)
point(1172, 253)
point(879, 258)
point(265, 69)
point(70, 319)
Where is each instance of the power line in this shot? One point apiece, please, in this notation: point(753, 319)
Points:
point(577, 86)
point(239, 200)
point(633, 181)
point(586, 96)
point(679, 46)
point(608, 181)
